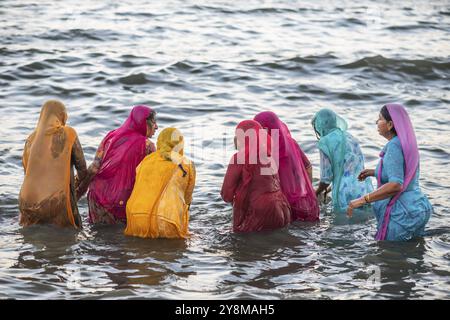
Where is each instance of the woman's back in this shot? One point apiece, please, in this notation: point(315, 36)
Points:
point(343, 171)
point(159, 203)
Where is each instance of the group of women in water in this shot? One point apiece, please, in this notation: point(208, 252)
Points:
point(268, 180)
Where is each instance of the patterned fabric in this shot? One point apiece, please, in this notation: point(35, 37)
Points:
point(341, 159)
point(350, 188)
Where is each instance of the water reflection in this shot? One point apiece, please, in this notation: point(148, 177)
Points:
point(400, 264)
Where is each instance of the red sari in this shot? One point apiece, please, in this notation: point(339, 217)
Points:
point(258, 202)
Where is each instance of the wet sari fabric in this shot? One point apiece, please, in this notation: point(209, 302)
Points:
point(114, 169)
point(159, 204)
point(258, 201)
point(403, 216)
point(47, 194)
point(293, 163)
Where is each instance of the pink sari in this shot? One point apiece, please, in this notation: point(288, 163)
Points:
point(121, 151)
point(294, 178)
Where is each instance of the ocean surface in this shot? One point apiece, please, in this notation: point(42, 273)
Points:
point(205, 66)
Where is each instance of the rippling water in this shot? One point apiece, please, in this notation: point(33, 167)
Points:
point(205, 66)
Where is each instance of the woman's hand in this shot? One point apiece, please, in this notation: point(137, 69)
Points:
point(355, 204)
point(366, 173)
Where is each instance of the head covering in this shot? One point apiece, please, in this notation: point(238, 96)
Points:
point(123, 149)
point(170, 144)
point(47, 160)
point(407, 137)
point(294, 178)
point(332, 142)
point(254, 152)
point(253, 143)
point(326, 120)
point(154, 174)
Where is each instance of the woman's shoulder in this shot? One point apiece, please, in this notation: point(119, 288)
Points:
point(394, 145)
point(30, 138)
point(393, 150)
point(71, 132)
point(351, 137)
point(70, 129)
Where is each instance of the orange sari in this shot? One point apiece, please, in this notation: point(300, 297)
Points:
point(45, 193)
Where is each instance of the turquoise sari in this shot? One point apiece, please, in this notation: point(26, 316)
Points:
point(341, 159)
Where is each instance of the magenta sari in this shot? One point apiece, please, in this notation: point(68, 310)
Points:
point(407, 137)
point(294, 178)
point(258, 202)
point(121, 151)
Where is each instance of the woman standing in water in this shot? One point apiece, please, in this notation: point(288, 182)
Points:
point(254, 186)
point(159, 204)
point(113, 171)
point(294, 169)
point(51, 151)
point(341, 160)
point(401, 209)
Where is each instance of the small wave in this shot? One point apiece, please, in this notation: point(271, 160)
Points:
point(351, 22)
point(435, 152)
point(80, 34)
point(134, 79)
point(422, 68)
point(356, 96)
point(311, 89)
point(128, 61)
point(7, 77)
point(137, 14)
point(35, 66)
point(414, 27)
point(297, 63)
point(249, 11)
point(192, 67)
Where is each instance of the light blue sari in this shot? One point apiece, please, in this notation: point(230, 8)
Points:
point(341, 160)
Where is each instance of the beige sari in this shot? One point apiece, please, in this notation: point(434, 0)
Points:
point(45, 196)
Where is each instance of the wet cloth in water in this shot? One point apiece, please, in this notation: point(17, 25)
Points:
point(405, 215)
point(293, 163)
point(48, 191)
point(114, 168)
point(258, 201)
point(341, 160)
point(159, 204)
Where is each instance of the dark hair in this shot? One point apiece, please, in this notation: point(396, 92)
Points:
point(151, 116)
point(385, 113)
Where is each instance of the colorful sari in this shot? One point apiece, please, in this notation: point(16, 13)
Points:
point(252, 186)
point(293, 163)
point(118, 155)
point(47, 193)
point(404, 215)
point(341, 160)
point(159, 204)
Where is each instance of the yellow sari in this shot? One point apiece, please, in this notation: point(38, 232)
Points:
point(159, 204)
point(45, 193)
